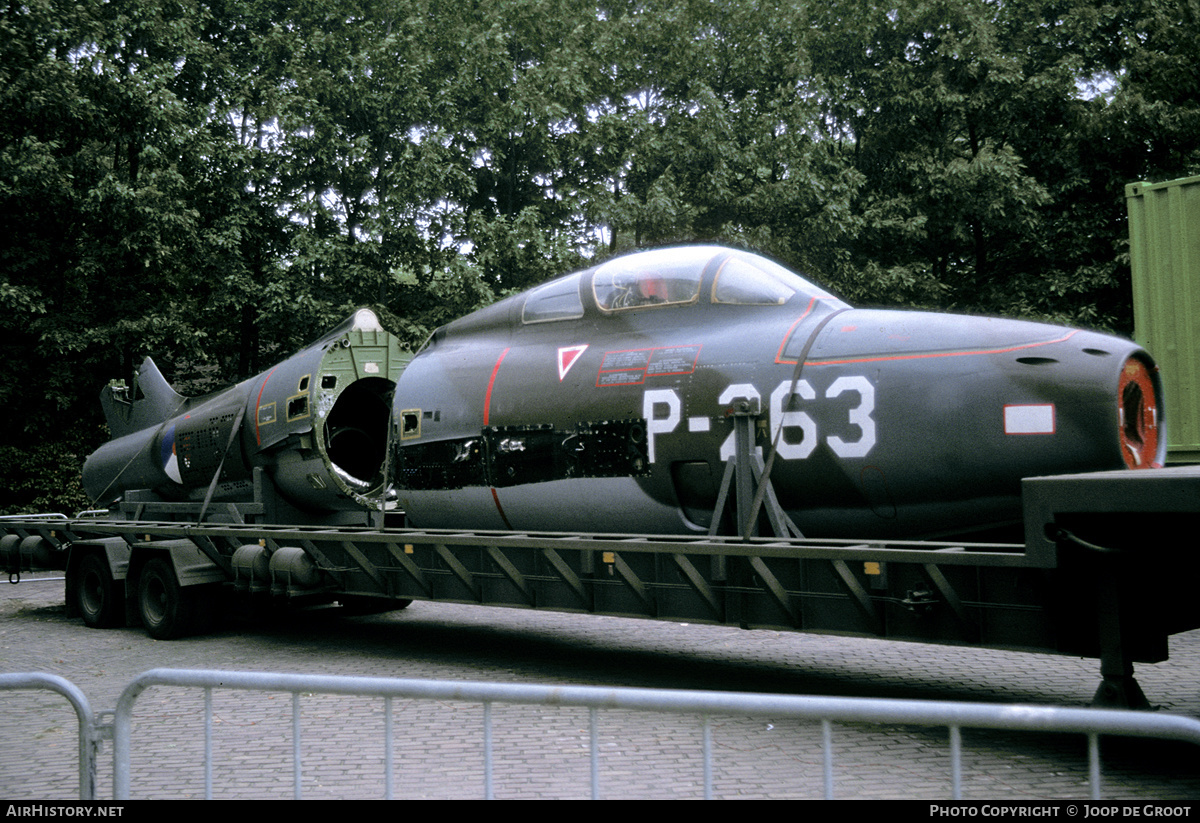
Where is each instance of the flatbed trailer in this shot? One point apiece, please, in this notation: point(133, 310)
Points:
point(1102, 573)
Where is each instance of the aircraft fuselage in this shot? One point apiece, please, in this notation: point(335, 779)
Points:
point(605, 401)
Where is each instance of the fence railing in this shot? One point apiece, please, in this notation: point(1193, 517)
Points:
point(89, 735)
point(1092, 723)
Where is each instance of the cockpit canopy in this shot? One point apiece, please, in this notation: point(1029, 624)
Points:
point(670, 277)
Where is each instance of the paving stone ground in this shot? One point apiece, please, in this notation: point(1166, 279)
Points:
point(543, 752)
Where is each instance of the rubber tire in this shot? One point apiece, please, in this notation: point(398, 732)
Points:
point(168, 610)
point(96, 595)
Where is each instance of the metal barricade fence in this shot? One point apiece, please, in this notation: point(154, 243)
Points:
point(89, 735)
point(824, 710)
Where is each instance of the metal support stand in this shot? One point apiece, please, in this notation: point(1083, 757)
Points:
point(745, 476)
point(1118, 688)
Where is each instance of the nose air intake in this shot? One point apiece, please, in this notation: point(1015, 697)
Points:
point(1138, 403)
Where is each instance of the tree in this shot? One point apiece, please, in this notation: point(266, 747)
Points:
point(993, 179)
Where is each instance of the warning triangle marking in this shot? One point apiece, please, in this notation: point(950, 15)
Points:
point(567, 357)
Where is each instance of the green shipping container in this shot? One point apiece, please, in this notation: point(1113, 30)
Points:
point(1164, 251)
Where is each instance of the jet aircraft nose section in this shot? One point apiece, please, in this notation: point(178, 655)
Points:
point(987, 401)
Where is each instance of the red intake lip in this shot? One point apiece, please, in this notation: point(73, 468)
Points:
point(1137, 409)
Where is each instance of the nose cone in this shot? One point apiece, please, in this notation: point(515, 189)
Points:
point(950, 413)
point(1062, 399)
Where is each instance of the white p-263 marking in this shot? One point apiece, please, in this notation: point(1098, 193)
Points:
point(789, 448)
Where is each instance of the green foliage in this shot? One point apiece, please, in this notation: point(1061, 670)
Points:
point(45, 476)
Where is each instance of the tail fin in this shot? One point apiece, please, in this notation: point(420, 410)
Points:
point(151, 401)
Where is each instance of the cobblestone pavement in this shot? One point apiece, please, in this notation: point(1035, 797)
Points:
point(543, 752)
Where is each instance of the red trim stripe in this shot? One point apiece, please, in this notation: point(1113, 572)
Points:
point(927, 355)
point(500, 510)
point(487, 399)
point(487, 414)
point(257, 400)
point(788, 335)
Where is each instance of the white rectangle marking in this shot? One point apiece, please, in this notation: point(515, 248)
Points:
point(1029, 419)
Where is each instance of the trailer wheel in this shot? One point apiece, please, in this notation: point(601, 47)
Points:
point(168, 610)
point(96, 594)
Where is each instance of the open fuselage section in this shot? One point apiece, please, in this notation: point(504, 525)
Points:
point(606, 400)
point(316, 422)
